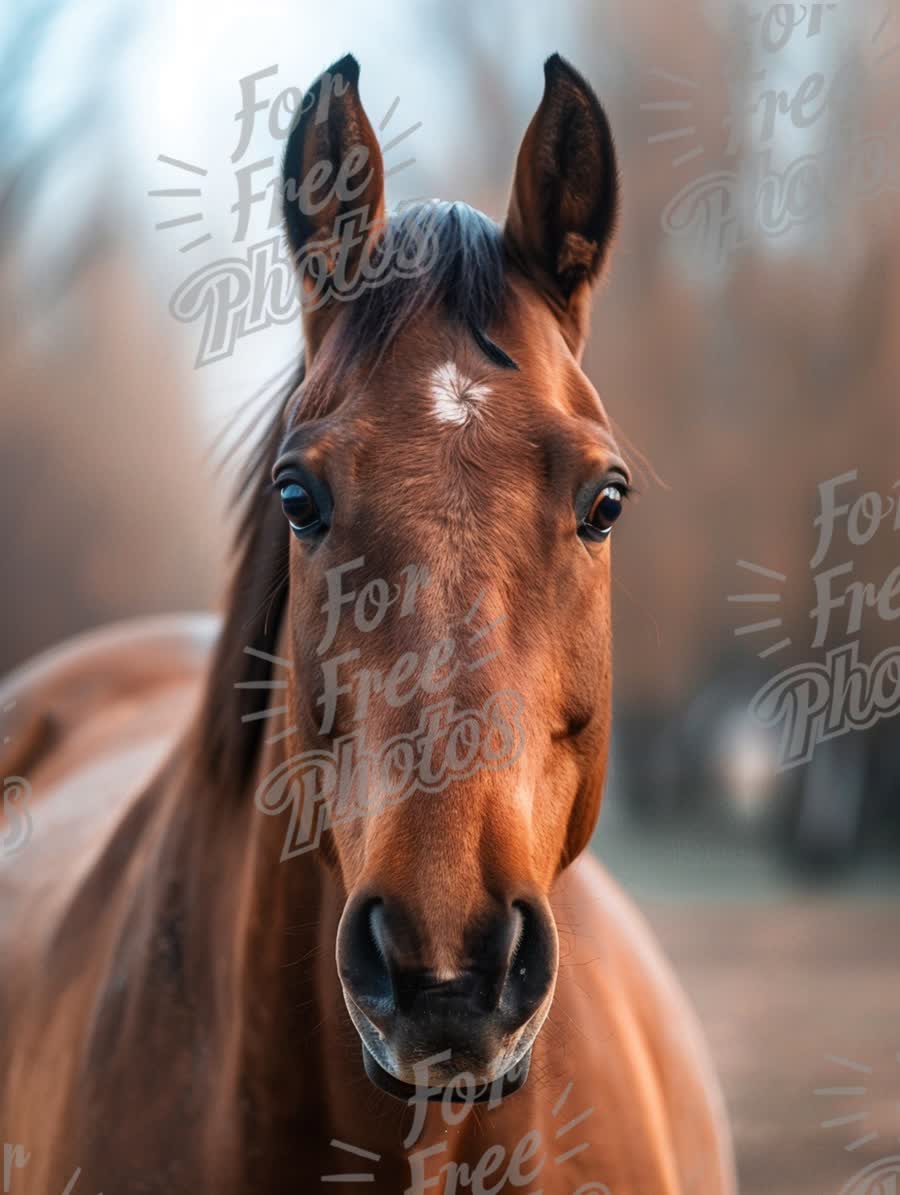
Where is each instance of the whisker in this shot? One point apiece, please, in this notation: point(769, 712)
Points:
point(273, 596)
point(243, 409)
point(640, 606)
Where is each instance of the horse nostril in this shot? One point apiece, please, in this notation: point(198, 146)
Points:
point(530, 974)
point(377, 932)
point(510, 969)
point(363, 959)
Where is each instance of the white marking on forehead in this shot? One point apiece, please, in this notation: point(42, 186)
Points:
point(456, 398)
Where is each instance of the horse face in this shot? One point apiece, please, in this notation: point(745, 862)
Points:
point(450, 501)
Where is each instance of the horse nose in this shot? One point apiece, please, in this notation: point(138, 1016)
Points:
point(507, 974)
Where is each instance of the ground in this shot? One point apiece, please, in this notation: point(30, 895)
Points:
point(790, 997)
point(798, 989)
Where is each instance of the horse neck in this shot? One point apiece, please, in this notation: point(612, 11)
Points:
point(271, 975)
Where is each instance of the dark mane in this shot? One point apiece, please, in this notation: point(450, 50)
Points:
point(464, 275)
point(458, 264)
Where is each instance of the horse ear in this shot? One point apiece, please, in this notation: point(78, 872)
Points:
point(563, 208)
point(333, 180)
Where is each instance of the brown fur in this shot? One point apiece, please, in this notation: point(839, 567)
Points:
point(173, 1016)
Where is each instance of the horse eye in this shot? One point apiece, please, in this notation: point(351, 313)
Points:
point(300, 509)
point(604, 511)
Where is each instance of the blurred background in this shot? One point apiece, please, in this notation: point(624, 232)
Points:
point(746, 347)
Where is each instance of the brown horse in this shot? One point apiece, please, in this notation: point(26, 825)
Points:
point(358, 874)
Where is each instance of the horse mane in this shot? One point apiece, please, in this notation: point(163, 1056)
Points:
point(465, 278)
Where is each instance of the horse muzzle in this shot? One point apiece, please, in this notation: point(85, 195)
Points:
point(461, 1090)
point(425, 1035)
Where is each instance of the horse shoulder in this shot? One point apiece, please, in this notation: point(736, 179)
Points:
point(92, 720)
point(632, 1035)
point(110, 706)
point(65, 687)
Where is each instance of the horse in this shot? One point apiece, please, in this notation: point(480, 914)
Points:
point(306, 897)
